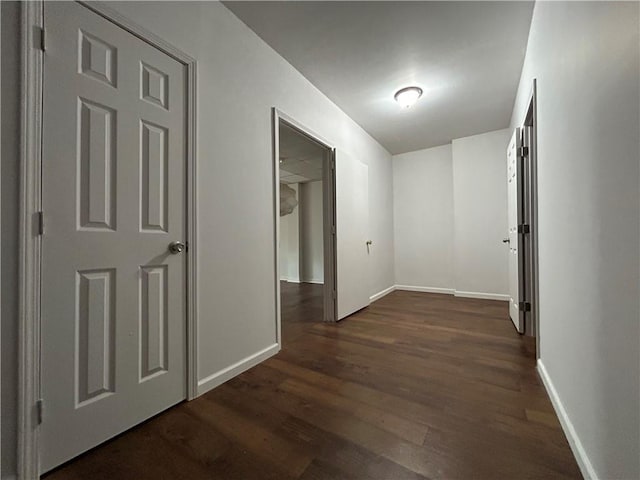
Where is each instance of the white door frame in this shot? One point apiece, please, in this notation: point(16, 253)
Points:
point(29, 406)
point(328, 205)
point(530, 121)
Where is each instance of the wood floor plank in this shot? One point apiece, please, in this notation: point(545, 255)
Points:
point(415, 386)
point(414, 458)
point(264, 443)
point(414, 432)
point(286, 414)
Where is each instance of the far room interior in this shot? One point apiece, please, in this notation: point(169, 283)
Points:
point(302, 166)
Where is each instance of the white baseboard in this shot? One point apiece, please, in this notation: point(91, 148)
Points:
point(485, 296)
point(289, 280)
point(381, 294)
point(586, 468)
point(452, 291)
point(412, 288)
point(243, 365)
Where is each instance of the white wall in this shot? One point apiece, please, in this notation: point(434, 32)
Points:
point(240, 79)
point(301, 236)
point(423, 218)
point(480, 213)
point(585, 58)
point(450, 216)
point(311, 233)
point(290, 242)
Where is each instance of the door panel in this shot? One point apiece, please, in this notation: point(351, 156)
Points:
point(113, 298)
point(352, 227)
point(514, 211)
point(96, 327)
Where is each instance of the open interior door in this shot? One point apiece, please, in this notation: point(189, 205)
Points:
point(514, 209)
point(352, 227)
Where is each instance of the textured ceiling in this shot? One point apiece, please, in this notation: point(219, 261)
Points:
point(300, 158)
point(467, 57)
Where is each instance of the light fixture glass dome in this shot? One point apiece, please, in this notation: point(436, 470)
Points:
point(408, 96)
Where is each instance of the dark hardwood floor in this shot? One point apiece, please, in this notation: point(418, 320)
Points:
point(415, 386)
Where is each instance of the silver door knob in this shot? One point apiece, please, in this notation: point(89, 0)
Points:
point(176, 247)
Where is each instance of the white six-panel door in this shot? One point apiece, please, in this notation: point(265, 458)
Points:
point(514, 177)
point(113, 296)
point(352, 231)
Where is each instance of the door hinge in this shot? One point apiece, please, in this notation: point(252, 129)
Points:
point(333, 230)
point(524, 306)
point(523, 152)
point(41, 44)
point(39, 411)
point(524, 228)
point(334, 295)
point(40, 223)
point(333, 164)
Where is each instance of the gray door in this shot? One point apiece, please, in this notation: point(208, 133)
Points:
point(113, 295)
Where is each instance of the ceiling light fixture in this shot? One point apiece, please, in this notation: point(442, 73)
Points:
point(408, 96)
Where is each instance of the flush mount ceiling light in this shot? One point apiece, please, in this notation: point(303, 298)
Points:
point(408, 96)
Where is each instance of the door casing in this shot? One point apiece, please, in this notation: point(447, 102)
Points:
point(30, 408)
point(329, 216)
point(529, 140)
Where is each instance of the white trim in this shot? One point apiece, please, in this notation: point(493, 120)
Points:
point(586, 468)
point(379, 295)
point(289, 280)
point(0, 239)
point(303, 129)
point(276, 219)
point(535, 303)
point(30, 243)
point(133, 28)
point(329, 299)
point(450, 291)
point(414, 288)
point(30, 204)
point(192, 230)
point(483, 295)
point(237, 368)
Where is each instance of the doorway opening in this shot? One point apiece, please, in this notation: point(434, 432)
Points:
point(305, 220)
